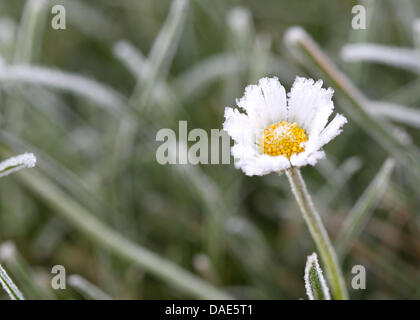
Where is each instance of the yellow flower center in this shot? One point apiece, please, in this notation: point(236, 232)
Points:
point(283, 138)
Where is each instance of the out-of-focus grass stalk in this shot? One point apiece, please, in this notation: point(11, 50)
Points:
point(336, 178)
point(30, 30)
point(8, 29)
point(86, 288)
point(246, 240)
point(89, 19)
point(28, 42)
point(396, 112)
point(241, 27)
point(260, 57)
point(9, 286)
point(241, 38)
point(361, 36)
point(318, 233)
point(162, 53)
point(404, 58)
point(104, 236)
point(300, 43)
point(22, 271)
point(132, 58)
point(139, 67)
point(407, 94)
point(194, 80)
point(416, 33)
point(360, 213)
point(404, 12)
point(216, 211)
point(102, 94)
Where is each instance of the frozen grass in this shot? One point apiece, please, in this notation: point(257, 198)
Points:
point(99, 204)
point(26, 160)
point(315, 284)
point(9, 286)
point(400, 57)
point(101, 94)
point(87, 289)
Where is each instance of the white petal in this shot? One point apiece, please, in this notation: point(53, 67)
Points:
point(253, 163)
point(239, 126)
point(275, 98)
point(254, 104)
point(304, 158)
point(333, 129)
point(265, 164)
point(310, 105)
point(244, 152)
point(265, 103)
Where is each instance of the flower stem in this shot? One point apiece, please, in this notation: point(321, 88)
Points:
point(319, 234)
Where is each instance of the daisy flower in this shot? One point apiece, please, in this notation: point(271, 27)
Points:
point(275, 132)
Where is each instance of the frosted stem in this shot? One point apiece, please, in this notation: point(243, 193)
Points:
point(318, 233)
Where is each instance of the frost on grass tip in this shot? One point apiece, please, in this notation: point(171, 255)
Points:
point(278, 131)
point(315, 285)
point(26, 160)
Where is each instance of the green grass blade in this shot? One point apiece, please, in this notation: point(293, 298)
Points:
point(87, 289)
point(26, 160)
point(315, 284)
point(93, 90)
point(162, 53)
point(30, 30)
point(360, 213)
point(9, 286)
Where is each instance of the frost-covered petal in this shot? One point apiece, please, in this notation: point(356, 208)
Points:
point(239, 126)
point(275, 98)
point(252, 162)
point(310, 105)
point(244, 152)
point(264, 103)
point(333, 129)
point(263, 164)
point(306, 158)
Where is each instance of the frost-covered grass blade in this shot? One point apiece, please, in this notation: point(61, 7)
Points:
point(9, 286)
point(26, 160)
point(87, 289)
point(316, 287)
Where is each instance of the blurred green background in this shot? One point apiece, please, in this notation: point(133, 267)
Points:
point(150, 64)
